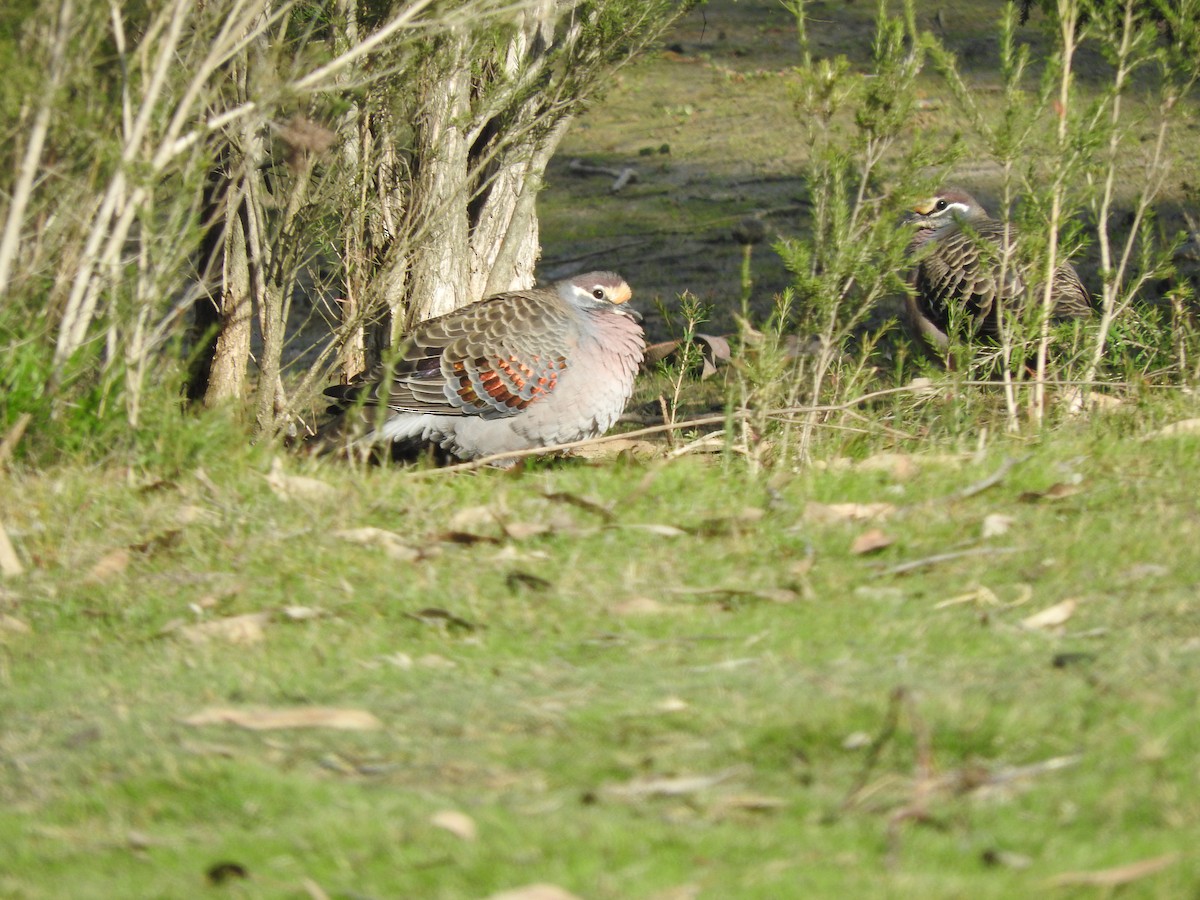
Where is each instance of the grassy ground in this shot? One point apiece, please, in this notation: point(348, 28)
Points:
point(628, 677)
point(685, 687)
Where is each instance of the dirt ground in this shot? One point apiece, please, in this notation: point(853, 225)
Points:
point(707, 123)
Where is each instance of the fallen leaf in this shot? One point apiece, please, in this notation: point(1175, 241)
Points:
point(393, 544)
point(642, 606)
point(297, 717)
point(752, 802)
point(857, 740)
point(221, 872)
point(655, 529)
point(825, 513)
point(162, 541)
point(458, 824)
point(301, 613)
point(13, 625)
point(771, 595)
point(441, 618)
point(871, 541)
point(713, 352)
point(1006, 858)
point(723, 525)
point(1186, 426)
point(996, 524)
point(10, 564)
point(517, 580)
point(109, 565)
point(610, 449)
point(523, 531)
point(668, 787)
point(190, 515)
point(244, 629)
point(587, 504)
point(903, 465)
point(898, 465)
point(466, 538)
point(534, 892)
point(1057, 491)
point(1117, 876)
point(472, 518)
point(671, 704)
point(1052, 617)
point(297, 487)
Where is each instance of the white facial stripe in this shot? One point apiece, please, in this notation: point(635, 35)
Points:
point(956, 207)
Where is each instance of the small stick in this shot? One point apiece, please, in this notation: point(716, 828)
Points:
point(912, 565)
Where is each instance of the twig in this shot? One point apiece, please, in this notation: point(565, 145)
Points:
point(914, 564)
point(991, 481)
point(891, 722)
point(736, 415)
point(9, 444)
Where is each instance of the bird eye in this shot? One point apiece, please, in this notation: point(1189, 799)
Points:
point(941, 204)
point(598, 293)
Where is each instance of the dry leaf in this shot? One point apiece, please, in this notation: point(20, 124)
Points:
point(610, 449)
point(825, 513)
point(897, 465)
point(996, 524)
point(394, 545)
point(389, 541)
point(522, 531)
point(458, 824)
point(587, 504)
point(301, 613)
point(244, 629)
point(671, 704)
point(298, 717)
point(871, 541)
point(14, 625)
point(903, 465)
point(1052, 617)
point(190, 515)
point(472, 518)
point(1187, 426)
point(668, 787)
point(435, 661)
point(10, 564)
point(655, 529)
point(297, 487)
point(1057, 491)
point(1117, 876)
point(534, 892)
point(642, 606)
point(109, 565)
point(752, 802)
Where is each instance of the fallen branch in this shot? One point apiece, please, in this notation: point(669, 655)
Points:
point(991, 481)
point(621, 177)
point(912, 565)
point(715, 419)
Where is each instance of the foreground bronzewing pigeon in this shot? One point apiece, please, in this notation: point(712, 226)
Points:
point(957, 248)
point(515, 371)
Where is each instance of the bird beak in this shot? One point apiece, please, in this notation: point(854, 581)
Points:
point(629, 311)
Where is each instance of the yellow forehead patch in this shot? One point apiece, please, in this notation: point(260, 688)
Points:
point(925, 207)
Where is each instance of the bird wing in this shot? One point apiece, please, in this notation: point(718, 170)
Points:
point(962, 269)
point(491, 359)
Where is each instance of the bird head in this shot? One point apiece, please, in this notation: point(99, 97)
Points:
point(599, 290)
point(946, 207)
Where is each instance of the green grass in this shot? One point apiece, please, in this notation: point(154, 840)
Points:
point(532, 719)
